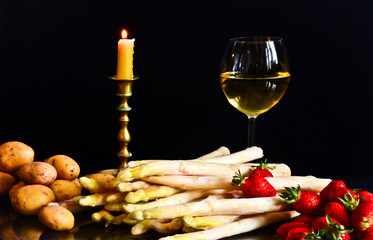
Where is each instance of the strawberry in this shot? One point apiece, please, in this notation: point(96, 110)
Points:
point(283, 230)
point(338, 212)
point(328, 228)
point(298, 233)
point(322, 222)
point(253, 187)
point(304, 202)
point(306, 218)
point(262, 170)
point(362, 217)
point(325, 192)
point(345, 196)
point(365, 196)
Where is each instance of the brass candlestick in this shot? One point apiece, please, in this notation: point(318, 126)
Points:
point(124, 91)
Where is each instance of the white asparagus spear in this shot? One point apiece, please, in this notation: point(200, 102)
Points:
point(207, 222)
point(116, 197)
point(194, 168)
point(174, 199)
point(131, 186)
point(161, 226)
point(102, 215)
point(243, 156)
point(241, 226)
point(178, 198)
point(221, 151)
point(310, 183)
point(239, 206)
point(93, 200)
point(143, 226)
point(151, 193)
point(107, 217)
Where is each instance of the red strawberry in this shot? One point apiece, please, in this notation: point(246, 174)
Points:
point(298, 233)
point(306, 218)
point(338, 212)
point(262, 170)
point(304, 202)
point(328, 228)
point(253, 187)
point(345, 236)
point(283, 230)
point(362, 218)
point(345, 196)
point(321, 223)
point(365, 196)
point(324, 194)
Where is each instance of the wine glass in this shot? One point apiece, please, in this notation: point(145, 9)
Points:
point(254, 75)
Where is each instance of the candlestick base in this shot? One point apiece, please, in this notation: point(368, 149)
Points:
point(124, 91)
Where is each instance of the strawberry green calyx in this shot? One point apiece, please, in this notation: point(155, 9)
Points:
point(292, 194)
point(333, 230)
point(313, 236)
point(238, 179)
point(264, 165)
point(350, 202)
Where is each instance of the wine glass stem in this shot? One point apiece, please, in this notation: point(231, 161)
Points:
point(251, 133)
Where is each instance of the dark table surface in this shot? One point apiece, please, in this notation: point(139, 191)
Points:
point(13, 226)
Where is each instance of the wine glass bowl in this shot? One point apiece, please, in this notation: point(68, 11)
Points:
point(254, 75)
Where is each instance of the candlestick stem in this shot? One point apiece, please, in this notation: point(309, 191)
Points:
point(124, 92)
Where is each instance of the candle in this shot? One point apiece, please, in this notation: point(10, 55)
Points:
point(125, 57)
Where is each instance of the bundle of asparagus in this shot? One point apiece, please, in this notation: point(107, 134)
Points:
point(194, 196)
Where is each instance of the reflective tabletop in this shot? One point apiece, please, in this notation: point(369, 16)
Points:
point(14, 226)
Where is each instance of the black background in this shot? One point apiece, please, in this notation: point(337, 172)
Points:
point(55, 95)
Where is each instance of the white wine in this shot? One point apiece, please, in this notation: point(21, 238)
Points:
point(256, 95)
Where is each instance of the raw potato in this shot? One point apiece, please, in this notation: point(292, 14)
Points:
point(67, 168)
point(76, 181)
point(6, 182)
point(15, 187)
point(56, 218)
point(13, 155)
point(37, 173)
point(29, 199)
point(65, 189)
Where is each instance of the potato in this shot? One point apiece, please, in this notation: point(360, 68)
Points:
point(15, 187)
point(65, 189)
point(76, 181)
point(67, 168)
point(56, 218)
point(29, 199)
point(6, 182)
point(13, 155)
point(37, 173)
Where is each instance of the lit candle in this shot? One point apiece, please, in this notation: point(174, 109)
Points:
point(125, 57)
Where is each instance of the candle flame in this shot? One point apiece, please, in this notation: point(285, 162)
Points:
point(124, 33)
